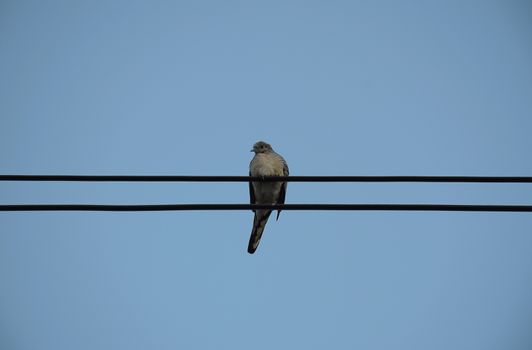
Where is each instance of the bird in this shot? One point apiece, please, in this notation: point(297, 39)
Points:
point(266, 162)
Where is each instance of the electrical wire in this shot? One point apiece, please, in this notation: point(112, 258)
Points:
point(359, 207)
point(195, 178)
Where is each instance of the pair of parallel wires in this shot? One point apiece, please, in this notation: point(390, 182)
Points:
point(315, 206)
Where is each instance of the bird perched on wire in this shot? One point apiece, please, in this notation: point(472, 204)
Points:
point(266, 162)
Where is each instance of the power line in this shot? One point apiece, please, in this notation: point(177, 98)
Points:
point(358, 207)
point(195, 178)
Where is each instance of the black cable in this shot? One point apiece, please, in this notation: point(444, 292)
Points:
point(194, 178)
point(167, 207)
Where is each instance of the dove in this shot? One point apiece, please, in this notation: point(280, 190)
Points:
point(266, 162)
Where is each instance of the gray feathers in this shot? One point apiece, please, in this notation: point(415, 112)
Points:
point(265, 163)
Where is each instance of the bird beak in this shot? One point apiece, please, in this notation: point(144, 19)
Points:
point(251, 151)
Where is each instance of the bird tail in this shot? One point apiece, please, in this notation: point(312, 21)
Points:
point(259, 223)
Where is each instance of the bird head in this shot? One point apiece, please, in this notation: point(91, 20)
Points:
point(261, 147)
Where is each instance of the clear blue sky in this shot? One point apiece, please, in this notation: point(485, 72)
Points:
point(338, 88)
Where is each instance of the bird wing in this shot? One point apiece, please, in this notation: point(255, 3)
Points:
point(251, 193)
point(282, 192)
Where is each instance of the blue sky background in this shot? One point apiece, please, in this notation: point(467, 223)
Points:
point(338, 88)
